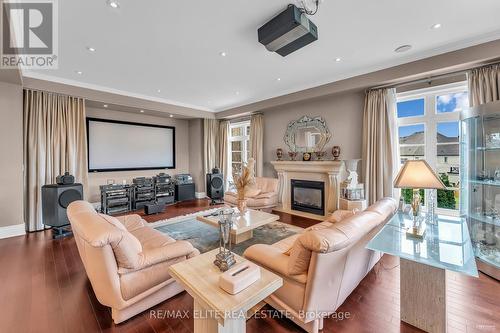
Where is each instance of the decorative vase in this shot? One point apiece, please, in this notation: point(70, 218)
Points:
point(293, 155)
point(336, 153)
point(320, 155)
point(279, 154)
point(225, 258)
point(242, 205)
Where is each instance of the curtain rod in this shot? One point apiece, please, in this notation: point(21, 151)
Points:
point(434, 77)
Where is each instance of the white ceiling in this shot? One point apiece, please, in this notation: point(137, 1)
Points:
point(174, 46)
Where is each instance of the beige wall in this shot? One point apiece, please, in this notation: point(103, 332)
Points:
point(181, 149)
point(196, 153)
point(343, 114)
point(11, 152)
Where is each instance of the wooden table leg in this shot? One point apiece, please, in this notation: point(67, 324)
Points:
point(205, 323)
point(423, 296)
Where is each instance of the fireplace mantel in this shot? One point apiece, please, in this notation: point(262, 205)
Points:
point(330, 172)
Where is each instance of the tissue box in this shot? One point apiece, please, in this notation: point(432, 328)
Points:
point(239, 277)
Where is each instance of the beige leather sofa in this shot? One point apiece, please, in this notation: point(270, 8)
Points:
point(126, 261)
point(323, 265)
point(266, 195)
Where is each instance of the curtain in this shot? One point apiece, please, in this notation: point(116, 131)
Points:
point(224, 149)
point(484, 85)
point(380, 153)
point(54, 142)
point(256, 142)
point(211, 144)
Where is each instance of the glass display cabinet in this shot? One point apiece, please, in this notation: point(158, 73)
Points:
point(480, 183)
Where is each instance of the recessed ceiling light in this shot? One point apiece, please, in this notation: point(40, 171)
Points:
point(142, 111)
point(171, 116)
point(159, 90)
point(79, 72)
point(402, 48)
point(223, 54)
point(278, 79)
point(338, 59)
point(113, 4)
point(237, 93)
point(105, 105)
point(436, 26)
point(90, 48)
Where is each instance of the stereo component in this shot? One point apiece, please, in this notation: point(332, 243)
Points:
point(116, 199)
point(215, 186)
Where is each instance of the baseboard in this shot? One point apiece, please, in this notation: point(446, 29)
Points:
point(12, 231)
point(200, 195)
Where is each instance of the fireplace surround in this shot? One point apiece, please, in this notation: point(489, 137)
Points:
point(308, 196)
point(330, 173)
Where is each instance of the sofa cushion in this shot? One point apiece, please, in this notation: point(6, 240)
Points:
point(285, 245)
point(385, 207)
point(131, 222)
point(252, 191)
point(113, 221)
point(151, 238)
point(340, 214)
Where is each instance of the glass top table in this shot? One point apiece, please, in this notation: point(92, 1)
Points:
point(446, 245)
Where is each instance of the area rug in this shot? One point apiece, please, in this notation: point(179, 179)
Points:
point(205, 237)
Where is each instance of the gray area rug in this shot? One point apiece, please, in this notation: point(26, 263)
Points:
point(206, 238)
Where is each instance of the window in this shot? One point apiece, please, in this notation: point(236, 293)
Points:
point(239, 140)
point(428, 128)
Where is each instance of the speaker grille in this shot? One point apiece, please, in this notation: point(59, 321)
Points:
point(68, 197)
point(217, 183)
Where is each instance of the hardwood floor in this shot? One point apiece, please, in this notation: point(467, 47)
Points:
point(44, 289)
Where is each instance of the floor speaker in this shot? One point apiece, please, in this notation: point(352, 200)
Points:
point(56, 199)
point(215, 186)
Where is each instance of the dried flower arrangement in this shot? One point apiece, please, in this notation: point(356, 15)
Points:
point(244, 179)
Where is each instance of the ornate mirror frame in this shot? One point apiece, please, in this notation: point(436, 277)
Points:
point(304, 122)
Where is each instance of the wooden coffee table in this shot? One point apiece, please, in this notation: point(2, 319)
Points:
point(214, 309)
point(244, 224)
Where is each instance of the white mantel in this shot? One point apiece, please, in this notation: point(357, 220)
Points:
point(329, 172)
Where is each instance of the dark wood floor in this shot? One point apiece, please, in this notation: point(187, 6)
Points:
point(44, 289)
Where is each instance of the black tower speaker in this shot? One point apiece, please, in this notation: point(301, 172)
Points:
point(215, 185)
point(55, 199)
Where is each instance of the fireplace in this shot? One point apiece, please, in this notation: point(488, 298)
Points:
point(308, 196)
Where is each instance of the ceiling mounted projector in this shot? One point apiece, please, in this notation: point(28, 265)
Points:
point(287, 32)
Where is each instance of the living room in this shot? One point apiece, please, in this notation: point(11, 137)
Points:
point(295, 166)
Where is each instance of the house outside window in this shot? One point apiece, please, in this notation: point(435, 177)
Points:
point(239, 150)
point(429, 128)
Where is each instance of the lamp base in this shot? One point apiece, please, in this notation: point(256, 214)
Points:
point(417, 232)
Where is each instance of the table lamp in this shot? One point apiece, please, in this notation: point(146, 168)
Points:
point(417, 174)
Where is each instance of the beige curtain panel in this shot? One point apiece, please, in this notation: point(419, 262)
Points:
point(54, 142)
point(257, 142)
point(484, 85)
point(211, 144)
point(224, 149)
point(380, 153)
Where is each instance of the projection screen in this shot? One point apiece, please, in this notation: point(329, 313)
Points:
point(119, 146)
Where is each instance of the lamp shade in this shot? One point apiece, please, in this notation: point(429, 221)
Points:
point(417, 174)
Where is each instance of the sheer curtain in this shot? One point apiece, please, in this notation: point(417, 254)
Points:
point(211, 144)
point(55, 141)
point(380, 153)
point(224, 149)
point(484, 84)
point(256, 142)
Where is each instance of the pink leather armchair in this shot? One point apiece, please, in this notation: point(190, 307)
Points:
point(267, 196)
point(125, 260)
point(323, 265)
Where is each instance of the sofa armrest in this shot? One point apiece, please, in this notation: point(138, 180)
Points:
point(131, 222)
point(273, 259)
point(167, 252)
point(266, 195)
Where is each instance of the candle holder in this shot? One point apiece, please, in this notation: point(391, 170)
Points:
point(225, 258)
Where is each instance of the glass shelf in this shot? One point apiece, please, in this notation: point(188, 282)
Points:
point(489, 148)
point(485, 219)
point(486, 182)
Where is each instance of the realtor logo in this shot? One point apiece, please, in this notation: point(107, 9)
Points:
point(29, 34)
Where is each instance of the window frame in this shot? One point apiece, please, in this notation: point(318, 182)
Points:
point(245, 144)
point(430, 119)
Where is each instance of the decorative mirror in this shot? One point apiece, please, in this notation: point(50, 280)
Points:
point(307, 134)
